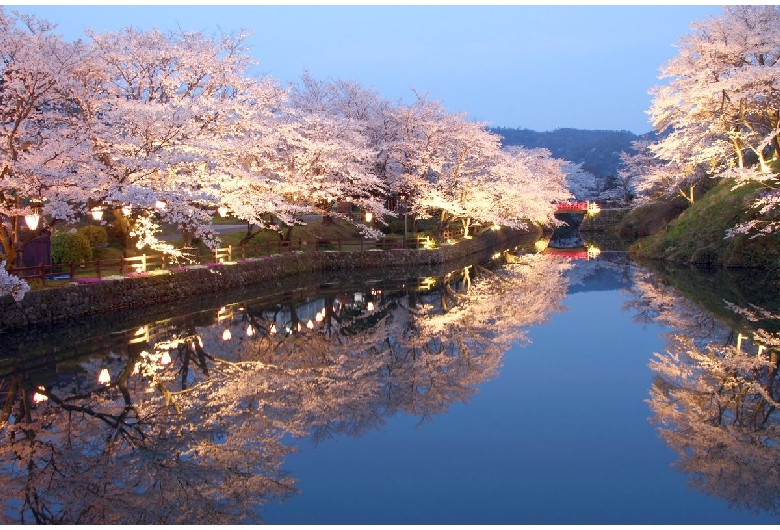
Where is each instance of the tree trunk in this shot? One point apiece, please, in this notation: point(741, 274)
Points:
point(466, 226)
point(186, 238)
point(122, 226)
point(688, 197)
point(288, 235)
point(248, 236)
point(443, 222)
point(9, 247)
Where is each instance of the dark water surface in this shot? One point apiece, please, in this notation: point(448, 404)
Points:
point(516, 392)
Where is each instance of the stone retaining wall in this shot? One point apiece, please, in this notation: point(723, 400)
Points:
point(603, 220)
point(75, 301)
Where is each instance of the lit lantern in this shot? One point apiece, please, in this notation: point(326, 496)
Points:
point(299, 326)
point(369, 217)
point(166, 358)
point(97, 213)
point(160, 205)
point(250, 330)
point(126, 210)
point(38, 397)
point(227, 335)
point(370, 306)
point(273, 329)
point(32, 221)
point(320, 315)
point(222, 211)
point(310, 324)
point(104, 378)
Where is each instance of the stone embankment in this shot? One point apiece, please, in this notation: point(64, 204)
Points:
point(76, 301)
point(603, 220)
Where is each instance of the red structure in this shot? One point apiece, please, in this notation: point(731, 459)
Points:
point(573, 207)
point(575, 253)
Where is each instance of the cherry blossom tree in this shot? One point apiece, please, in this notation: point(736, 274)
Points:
point(327, 156)
point(455, 169)
point(633, 167)
point(718, 115)
point(169, 114)
point(44, 154)
point(582, 184)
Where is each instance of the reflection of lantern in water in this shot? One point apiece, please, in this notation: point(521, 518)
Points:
point(370, 306)
point(166, 358)
point(104, 378)
point(227, 335)
point(38, 397)
point(310, 324)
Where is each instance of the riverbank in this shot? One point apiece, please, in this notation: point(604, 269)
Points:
point(46, 307)
point(698, 234)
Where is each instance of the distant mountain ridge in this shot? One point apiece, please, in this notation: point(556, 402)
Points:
point(598, 151)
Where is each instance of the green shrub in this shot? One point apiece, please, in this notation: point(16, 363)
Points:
point(96, 235)
point(69, 246)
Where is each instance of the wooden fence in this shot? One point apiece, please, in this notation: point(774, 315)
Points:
point(92, 270)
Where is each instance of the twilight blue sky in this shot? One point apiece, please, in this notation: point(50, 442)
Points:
point(536, 67)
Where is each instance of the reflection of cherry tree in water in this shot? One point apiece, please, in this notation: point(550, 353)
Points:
point(716, 404)
point(190, 427)
point(136, 451)
point(653, 301)
point(416, 353)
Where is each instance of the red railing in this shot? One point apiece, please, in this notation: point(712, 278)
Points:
point(571, 254)
point(581, 206)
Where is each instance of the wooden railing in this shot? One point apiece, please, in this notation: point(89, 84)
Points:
point(92, 270)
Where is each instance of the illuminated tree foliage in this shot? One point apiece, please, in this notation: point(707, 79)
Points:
point(169, 127)
point(718, 115)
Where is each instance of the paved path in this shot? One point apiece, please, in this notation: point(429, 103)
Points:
point(220, 229)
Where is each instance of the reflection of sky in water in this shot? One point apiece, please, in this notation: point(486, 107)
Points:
point(558, 435)
point(561, 436)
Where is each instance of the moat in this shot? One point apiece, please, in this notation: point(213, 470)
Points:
point(519, 390)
